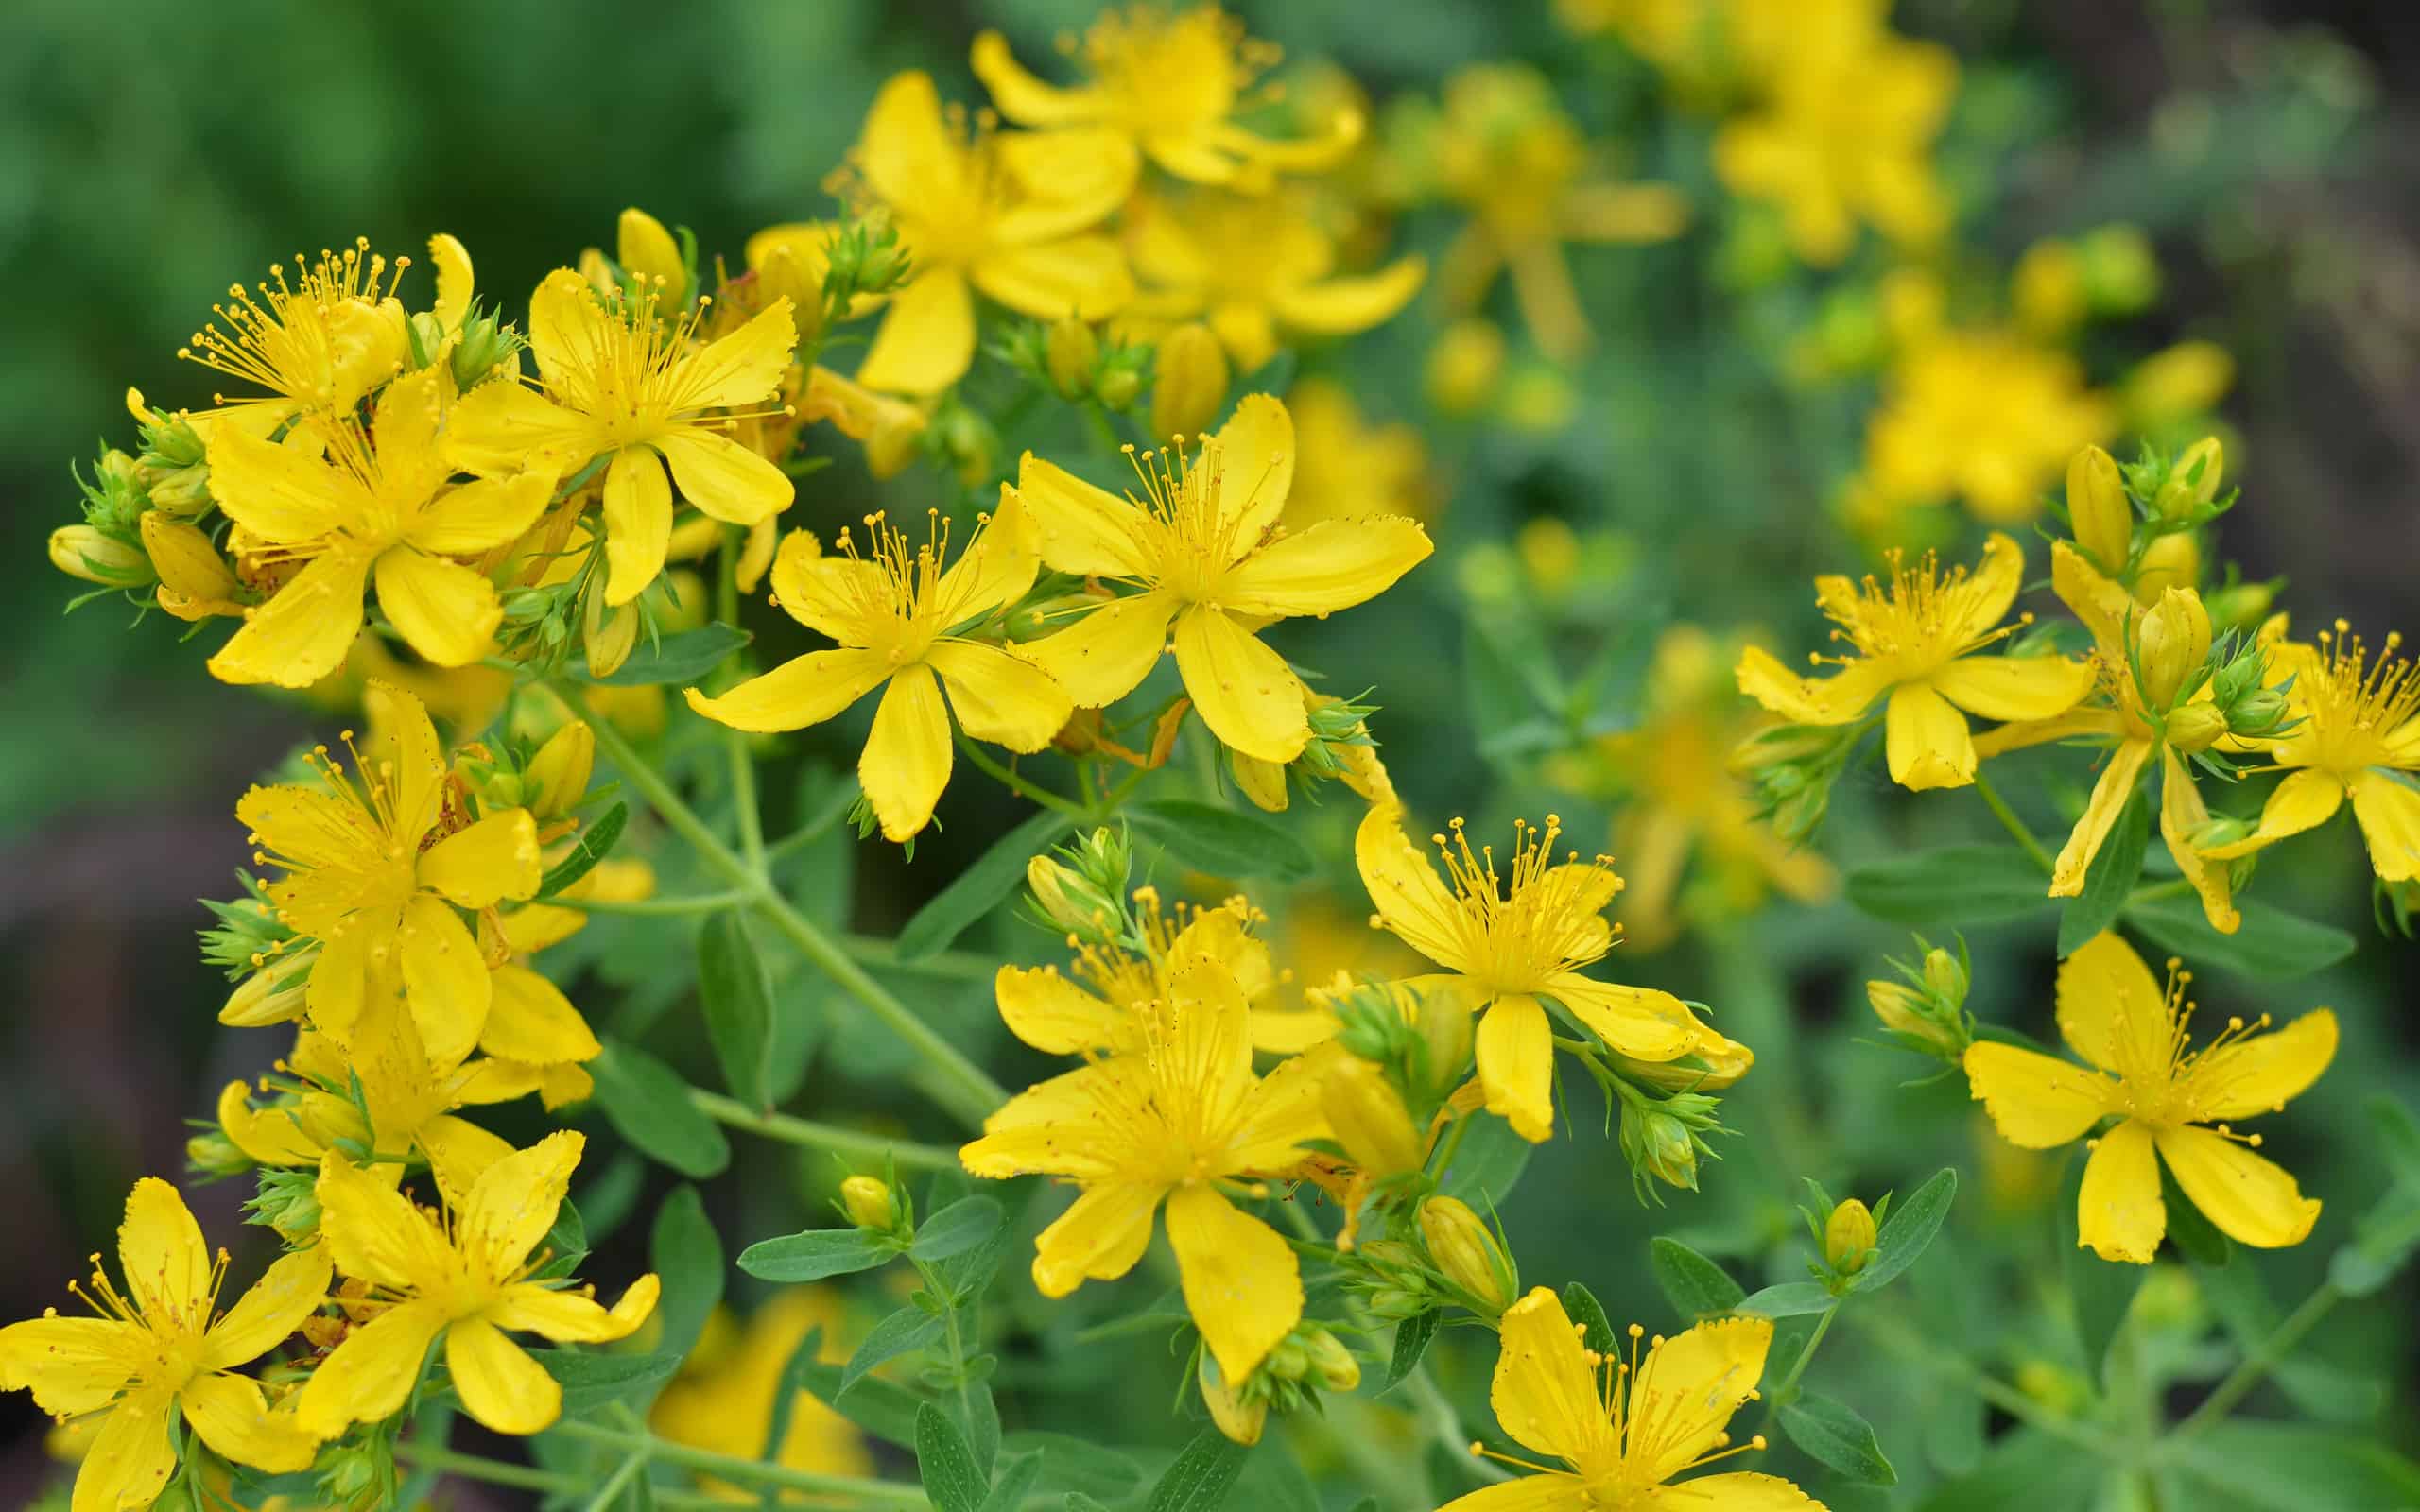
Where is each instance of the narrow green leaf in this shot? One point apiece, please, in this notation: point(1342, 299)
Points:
point(2270, 946)
point(648, 1103)
point(1910, 1229)
point(815, 1254)
point(1224, 842)
point(956, 1229)
point(2398, 1139)
point(977, 889)
point(1696, 1286)
point(1580, 1304)
point(1953, 885)
point(1204, 1472)
point(1833, 1434)
point(688, 1254)
point(595, 842)
point(2111, 879)
point(1789, 1299)
point(1016, 1481)
point(882, 1408)
point(683, 656)
point(1071, 1463)
point(737, 996)
point(1488, 1164)
point(1412, 1338)
point(910, 1327)
point(946, 1465)
point(596, 1380)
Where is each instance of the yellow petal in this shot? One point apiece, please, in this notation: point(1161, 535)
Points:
point(2014, 687)
point(926, 339)
point(2181, 816)
point(2103, 605)
point(2075, 724)
point(2035, 1101)
point(309, 826)
point(997, 567)
point(1834, 701)
point(907, 760)
point(455, 284)
point(1264, 782)
point(291, 1290)
point(2120, 1214)
point(303, 633)
point(568, 330)
point(1244, 691)
point(2388, 810)
point(1688, 1386)
point(2119, 779)
point(500, 1385)
point(1024, 99)
point(906, 149)
point(574, 1317)
point(1984, 597)
point(513, 1203)
point(130, 1459)
point(1927, 740)
point(998, 696)
point(373, 1232)
point(446, 611)
point(1205, 1060)
point(830, 594)
point(232, 1418)
point(72, 1365)
point(1064, 1126)
point(340, 983)
point(2258, 1072)
point(643, 246)
point(638, 522)
point(2305, 800)
point(1516, 1065)
point(1083, 276)
point(445, 978)
point(1103, 656)
point(501, 429)
point(365, 1379)
point(532, 1020)
point(167, 1265)
point(481, 515)
point(1285, 1111)
point(1545, 1393)
point(805, 690)
point(1100, 1237)
point(1740, 1491)
point(1242, 1282)
point(1083, 529)
point(1639, 1022)
point(277, 493)
point(1410, 900)
point(725, 480)
point(1554, 1492)
point(2111, 1009)
point(1333, 565)
point(459, 1151)
point(1340, 306)
point(491, 861)
point(1052, 1014)
point(182, 554)
point(2249, 1197)
point(1256, 452)
point(1070, 180)
point(403, 747)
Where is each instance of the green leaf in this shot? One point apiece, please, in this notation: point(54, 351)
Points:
point(1580, 1304)
point(2023, 1470)
point(2383, 1242)
point(2292, 1468)
point(910, 1327)
point(648, 1103)
point(1079, 1502)
point(737, 996)
point(567, 1241)
point(1224, 842)
point(787, 1385)
point(1205, 1471)
point(815, 1254)
point(686, 1253)
point(1018, 1478)
point(1789, 1299)
point(591, 1381)
point(2272, 946)
point(2319, 1388)
point(946, 1465)
point(1955, 884)
point(1514, 691)
point(974, 892)
point(683, 656)
point(1833, 1434)
point(2398, 1137)
point(1071, 1463)
point(1412, 1338)
point(1696, 1286)
point(596, 841)
point(882, 1408)
point(1488, 1164)
point(2111, 879)
point(956, 1229)
point(1910, 1229)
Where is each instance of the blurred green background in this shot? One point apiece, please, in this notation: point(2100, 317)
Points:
point(153, 152)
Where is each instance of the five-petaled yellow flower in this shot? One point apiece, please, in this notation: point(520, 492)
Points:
point(2143, 1073)
point(1505, 942)
point(619, 380)
point(377, 508)
point(2359, 735)
point(1624, 1428)
point(900, 617)
point(1182, 1119)
point(1172, 84)
point(465, 1275)
point(1008, 212)
point(1918, 641)
point(1204, 545)
point(318, 342)
point(373, 873)
point(159, 1347)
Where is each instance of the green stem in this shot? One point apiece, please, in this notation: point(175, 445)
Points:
point(732, 1466)
point(743, 795)
point(709, 902)
point(2173, 888)
point(855, 1143)
point(1096, 419)
point(615, 1483)
point(494, 1472)
point(962, 965)
point(2263, 1359)
point(834, 808)
point(948, 1077)
point(2010, 822)
point(1018, 784)
point(1787, 1390)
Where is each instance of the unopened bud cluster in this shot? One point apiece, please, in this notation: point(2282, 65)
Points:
point(1927, 1010)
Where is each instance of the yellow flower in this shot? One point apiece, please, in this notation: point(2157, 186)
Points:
point(1182, 1119)
point(1985, 416)
point(1624, 1428)
point(1917, 640)
point(724, 1397)
point(1006, 213)
point(373, 873)
point(1350, 468)
point(1251, 267)
point(318, 343)
point(464, 1274)
point(2134, 738)
point(2136, 1037)
point(616, 381)
point(2361, 730)
point(1053, 1014)
point(1173, 85)
point(1206, 547)
point(1847, 137)
point(1506, 151)
point(377, 507)
point(897, 617)
point(1505, 944)
point(161, 1346)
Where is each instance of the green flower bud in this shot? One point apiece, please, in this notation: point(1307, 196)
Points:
point(1119, 387)
point(2195, 727)
point(484, 349)
point(1335, 1366)
point(287, 1201)
point(2258, 712)
point(1468, 1255)
point(1394, 1303)
point(1289, 1361)
point(1848, 1237)
point(210, 1154)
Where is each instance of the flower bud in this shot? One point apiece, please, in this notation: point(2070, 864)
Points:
point(212, 1154)
point(1191, 385)
point(647, 252)
point(1946, 976)
point(1465, 366)
point(607, 633)
point(2101, 518)
point(81, 551)
point(870, 1204)
point(2172, 560)
point(558, 774)
point(2242, 605)
point(1447, 1027)
point(484, 349)
point(1241, 1420)
point(287, 1201)
point(1659, 1145)
point(2195, 727)
point(1848, 1237)
point(1369, 1119)
point(273, 994)
point(2199, 469)
point(1118, 388)
point(1717, 1061)
point(1070, 351)
point(1337, 1368)
point(1289, 1359)
point(1394, 1303)
point(1468, 1254)
point(356, 1477)
point(1072, 903)
point(2258, 712)
point(2172, 643)
point(194, 582)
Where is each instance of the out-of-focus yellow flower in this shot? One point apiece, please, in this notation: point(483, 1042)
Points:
point(724, 1398)
point(1508, 153)
point(2176, 384)
point(1172, 84)
point(1466, 365)
point(1717, 50)
point(1350, 468)
point(1984, 417)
